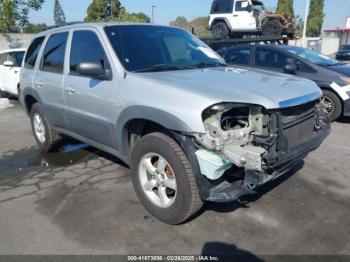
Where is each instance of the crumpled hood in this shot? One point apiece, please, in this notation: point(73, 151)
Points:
point(229, 84)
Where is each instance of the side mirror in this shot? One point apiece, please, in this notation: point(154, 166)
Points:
point(91, 69)
point(290, 68)
point(9, 63)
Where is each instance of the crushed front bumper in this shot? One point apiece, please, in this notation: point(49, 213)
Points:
point(228, 190)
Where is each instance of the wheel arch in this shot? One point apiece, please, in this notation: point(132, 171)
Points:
point(221, 19)
point(142, 120)
point(328, 88)
point(30, 97)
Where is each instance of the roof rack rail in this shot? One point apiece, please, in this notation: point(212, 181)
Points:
point(225, 43)
point(66, 24)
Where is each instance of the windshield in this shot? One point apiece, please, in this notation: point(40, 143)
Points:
point(314, 57)
point(345, 47)
point(142, 48)
point(259, 7)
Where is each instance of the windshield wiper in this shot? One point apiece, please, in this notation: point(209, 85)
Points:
point(204, 65)
point(162, 67)
point(335, 64)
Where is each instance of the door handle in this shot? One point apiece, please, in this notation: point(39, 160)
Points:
point(70, 90)
point(39, 84)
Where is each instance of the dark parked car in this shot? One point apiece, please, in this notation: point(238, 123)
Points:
point(344, 53)
point(332, 76)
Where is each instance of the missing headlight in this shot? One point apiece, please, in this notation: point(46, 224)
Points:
point(229, 123)
point(234, 119)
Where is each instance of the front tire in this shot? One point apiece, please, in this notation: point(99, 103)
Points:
point(163, 179)
point(332, 104)
point(220, 30)
point(47, 139)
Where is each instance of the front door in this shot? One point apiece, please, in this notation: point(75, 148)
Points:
point(89, 101)
point(243, 17)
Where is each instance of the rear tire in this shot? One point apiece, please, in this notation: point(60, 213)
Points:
point(272, 28)
point(220, 30)
point(333, 105)
point(184, 200)
point(47, 139)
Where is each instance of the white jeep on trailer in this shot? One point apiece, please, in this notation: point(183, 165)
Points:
point(236, 18)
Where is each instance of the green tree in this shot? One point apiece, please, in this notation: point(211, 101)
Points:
point(315, 19)
point(285, 7)
point(299, 26)
point(34, 28)
point(199, 24)
point(58, 14)
point(112, 10)
point(14, 14)
point(181, 22)
point(103, 10)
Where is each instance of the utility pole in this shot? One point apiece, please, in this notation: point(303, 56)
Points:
point(305, 23)
point(153, 7)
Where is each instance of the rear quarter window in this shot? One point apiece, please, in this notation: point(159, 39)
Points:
point(222, 7)
point(33, 52)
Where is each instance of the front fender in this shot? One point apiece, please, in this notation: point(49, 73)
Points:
point(158, 116)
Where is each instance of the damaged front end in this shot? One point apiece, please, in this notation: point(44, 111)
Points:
point(246, 146)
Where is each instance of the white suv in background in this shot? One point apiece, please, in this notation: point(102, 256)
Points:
point(10, 66)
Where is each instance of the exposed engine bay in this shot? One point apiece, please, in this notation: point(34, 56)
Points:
point(261, 143)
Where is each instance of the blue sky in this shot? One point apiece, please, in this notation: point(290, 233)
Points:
point(167, 10)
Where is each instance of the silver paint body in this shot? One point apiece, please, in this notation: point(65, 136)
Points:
point(97, 111)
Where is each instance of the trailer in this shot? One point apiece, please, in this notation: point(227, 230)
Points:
point(258, 40)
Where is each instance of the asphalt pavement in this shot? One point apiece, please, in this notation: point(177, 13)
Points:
point(82, 202)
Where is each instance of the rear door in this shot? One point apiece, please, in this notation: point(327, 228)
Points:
point(31, 62)
point(48, 79)
point(89, 101)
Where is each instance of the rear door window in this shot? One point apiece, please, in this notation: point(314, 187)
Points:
point(54, 53)
point(270, 58)
point(241, 6)
point(33, 52)
point(239, 56)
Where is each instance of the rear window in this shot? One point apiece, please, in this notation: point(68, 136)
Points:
point(33, 52)
point(222, 7)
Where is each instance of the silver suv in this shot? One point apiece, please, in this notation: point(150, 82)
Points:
point(191, 128)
